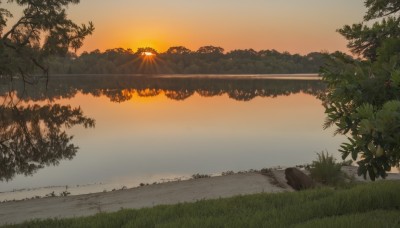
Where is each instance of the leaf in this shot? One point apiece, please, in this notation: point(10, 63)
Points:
point(345, 154)
point(371, 173)
point(361, 169)
point(354, 154)
point(365, 127)
point(396, 77)
point(392, 106)
point(365, 111)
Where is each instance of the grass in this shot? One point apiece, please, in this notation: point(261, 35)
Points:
point(361, 205)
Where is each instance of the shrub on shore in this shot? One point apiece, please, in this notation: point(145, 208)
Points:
point(326, 170)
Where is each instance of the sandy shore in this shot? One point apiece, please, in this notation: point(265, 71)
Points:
point(148, 196)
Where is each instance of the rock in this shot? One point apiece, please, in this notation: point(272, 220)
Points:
point(298, 180)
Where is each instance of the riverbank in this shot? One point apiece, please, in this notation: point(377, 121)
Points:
point(148, 196)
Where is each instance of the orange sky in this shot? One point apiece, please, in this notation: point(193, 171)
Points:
point(297, 26)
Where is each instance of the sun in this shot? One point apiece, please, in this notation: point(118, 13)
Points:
point(148, 54)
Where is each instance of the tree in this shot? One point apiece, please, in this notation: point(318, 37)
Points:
point(210, 50)
point(210, 54)
point(179, 50)
point(42, 30)
point(363, 96)
point(243, 54)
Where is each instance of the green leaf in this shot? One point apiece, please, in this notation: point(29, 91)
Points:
point(365, 127)
point(361, 169)
point(371, 173)
point(365, 111)
point(345, 154)
point(354, 154)
point(396, 77)
point(392, 106)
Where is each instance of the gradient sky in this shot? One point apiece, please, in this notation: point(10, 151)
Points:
point(297, 26)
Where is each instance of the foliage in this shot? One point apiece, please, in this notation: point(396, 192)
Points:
point(364, 40)
point(181, 60)
point(381, 8)
point(326, 171)
point(42, 30)
point(363, 96)
point(364, 205)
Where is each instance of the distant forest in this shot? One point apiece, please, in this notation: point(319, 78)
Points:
point(180, 60)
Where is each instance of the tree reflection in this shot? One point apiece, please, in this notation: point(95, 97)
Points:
point(210, 93)
point(32, 137)
point(148, 92)
point(121, 88)
point(242, 95)
point(178, 95)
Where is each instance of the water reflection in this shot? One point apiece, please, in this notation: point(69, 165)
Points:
point(122, 88)
point(34, 136)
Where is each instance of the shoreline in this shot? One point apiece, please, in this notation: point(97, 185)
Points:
point(185, 191)
point(135, 198)
point(24, 194)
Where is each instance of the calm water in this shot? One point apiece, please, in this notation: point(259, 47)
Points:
point(154, 129)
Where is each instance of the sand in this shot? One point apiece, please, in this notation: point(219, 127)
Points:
point(149, 196)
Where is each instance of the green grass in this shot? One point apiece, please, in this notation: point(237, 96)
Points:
point(361, 205)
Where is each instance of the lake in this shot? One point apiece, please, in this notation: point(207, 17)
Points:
point(145, 129)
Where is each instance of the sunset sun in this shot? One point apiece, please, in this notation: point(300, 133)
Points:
point(148, 54)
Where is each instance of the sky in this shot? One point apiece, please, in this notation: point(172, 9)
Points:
point(296, 26)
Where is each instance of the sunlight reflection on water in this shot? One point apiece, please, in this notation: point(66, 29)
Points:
point(166, 127)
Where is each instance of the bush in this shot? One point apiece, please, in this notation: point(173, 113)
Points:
point(325, 170)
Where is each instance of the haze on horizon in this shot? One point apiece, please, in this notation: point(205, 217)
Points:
point(296, 26)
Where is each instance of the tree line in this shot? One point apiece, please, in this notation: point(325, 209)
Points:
point(181, 60)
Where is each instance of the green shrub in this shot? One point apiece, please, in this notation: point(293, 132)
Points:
point(325, 170)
